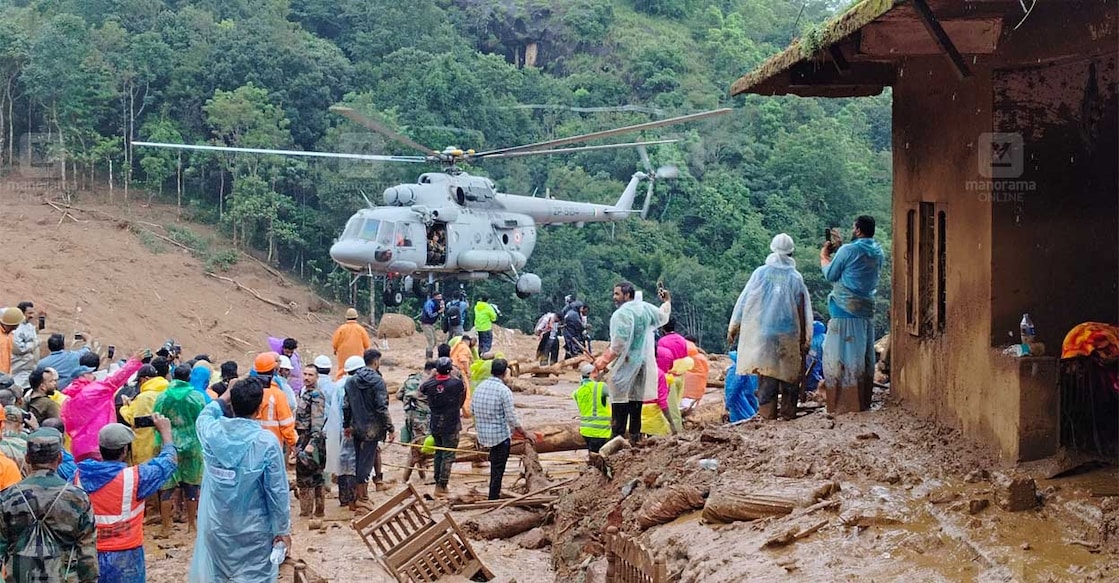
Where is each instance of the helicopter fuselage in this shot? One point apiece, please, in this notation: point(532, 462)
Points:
point(457, 226)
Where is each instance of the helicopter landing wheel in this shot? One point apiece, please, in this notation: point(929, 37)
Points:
point(523, 295)
point(420, 287)
point(392, 297)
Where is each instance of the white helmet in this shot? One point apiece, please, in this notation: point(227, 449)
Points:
point(323, 361)
point(353, 363)
point(285, 362)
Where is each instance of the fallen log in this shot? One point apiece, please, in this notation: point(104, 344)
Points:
point(487, 504)
point(549, 438)
point(536, 479)
point(793, 534)
point(730, 502)
point(256, 294)
point(504, 523)
point(554, 369)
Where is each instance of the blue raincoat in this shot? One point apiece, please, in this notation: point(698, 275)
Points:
point(244, 504)
point(853, 272)
point(814, 362)
point(740, 392)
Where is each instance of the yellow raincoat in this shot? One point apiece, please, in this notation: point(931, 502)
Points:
point(143, 447)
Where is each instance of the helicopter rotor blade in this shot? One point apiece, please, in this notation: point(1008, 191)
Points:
point(668, 171)
point(578, 149)
point(604, 134)
point(360, 119)
point(366, 157)
point(645, 159)
point(648, 199)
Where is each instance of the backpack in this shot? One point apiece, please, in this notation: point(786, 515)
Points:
point(43, 545)
point(453, 314)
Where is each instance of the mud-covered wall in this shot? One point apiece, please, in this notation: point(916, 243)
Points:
point(1050, 248)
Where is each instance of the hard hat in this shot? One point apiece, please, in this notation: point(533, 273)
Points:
point(12, 317)
point(323, 361)
point(351, 314)
point(353, 363)
point(285, 362)
point(266, 362)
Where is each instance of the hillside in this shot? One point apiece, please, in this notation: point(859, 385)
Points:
point(87, 78)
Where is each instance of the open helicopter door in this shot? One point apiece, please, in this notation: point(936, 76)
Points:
point(437, 239)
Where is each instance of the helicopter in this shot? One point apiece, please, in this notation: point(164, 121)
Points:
point(452, 225)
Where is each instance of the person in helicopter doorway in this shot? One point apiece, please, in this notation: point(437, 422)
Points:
point(437, 244)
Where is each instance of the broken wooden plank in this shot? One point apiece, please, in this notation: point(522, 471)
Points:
point(506, 523)
point(793, 534)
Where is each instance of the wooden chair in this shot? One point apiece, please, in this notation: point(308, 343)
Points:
point(409, 544)
point(389, 525)
point(436, 552)
point(628, 562)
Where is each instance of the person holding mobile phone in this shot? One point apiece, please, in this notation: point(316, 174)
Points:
point(25, 347)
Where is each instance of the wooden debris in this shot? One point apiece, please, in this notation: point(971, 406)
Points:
point(794, 534)
point(533, 493)
point(549, 438)
point(504, 523)
point(521, 503)
point(289, 307)
point(730, 502)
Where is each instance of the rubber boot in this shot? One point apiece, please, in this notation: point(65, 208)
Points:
point(306, 501)
point(166, 520)
point(320, 502)
point(768, 410)
point(192, 515)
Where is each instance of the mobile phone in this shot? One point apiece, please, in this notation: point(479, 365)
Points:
point(143, 421)
point(112, 351)
point(827, 236)
point(27, 415)
point(78, 336)
point(42, 322)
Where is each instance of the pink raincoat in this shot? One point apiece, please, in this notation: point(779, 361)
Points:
point(90, 407)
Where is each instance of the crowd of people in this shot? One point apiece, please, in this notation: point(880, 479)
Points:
point(93, 445)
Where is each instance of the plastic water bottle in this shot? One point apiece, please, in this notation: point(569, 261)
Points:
point(279, 551)
point(709, 464)
point(1027, 327)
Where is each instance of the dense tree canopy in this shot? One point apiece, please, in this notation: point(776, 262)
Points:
point(95, 75)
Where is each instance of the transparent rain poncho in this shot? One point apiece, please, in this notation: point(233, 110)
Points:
point(244, 502)
point(771, 313)
point(334, 392)
point(631, 338)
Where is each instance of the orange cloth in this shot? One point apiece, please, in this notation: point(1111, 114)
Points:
point(120, 515)
point(695, 380)
point(1089, 337)
point(9, 472)
point(350, 339)
point(6, 352)
point(275, 415)
point(461, 356)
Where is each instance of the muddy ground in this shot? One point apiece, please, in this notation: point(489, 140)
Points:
point(914, 500)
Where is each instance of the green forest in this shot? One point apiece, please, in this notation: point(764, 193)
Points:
point(88, 77)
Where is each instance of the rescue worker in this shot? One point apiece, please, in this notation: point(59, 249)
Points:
point(772, 320)
point(484, 317)
point(445, 395)
point(547, 328)
point(417, 418)
point(90, 405)
point(365, 418)
point(275, 413)
point(117, 492)
point(496, 423)
point(463, 352)
point(228, 375)
point(244, 471)
point(182, 404)
point(634, 376)
point(13, 445)
point(350, 339)
point(310, 460)
point(594, 409)
point(695, 380)
point(430, 314)
point(44, 503)
point(575, 340)
point(454, 316)
point(346, 466)
point(10, 319)
point(848, 357)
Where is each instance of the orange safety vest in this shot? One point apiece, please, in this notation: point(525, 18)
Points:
point(117, 512)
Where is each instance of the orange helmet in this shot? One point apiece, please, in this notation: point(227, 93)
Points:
point(266, 362)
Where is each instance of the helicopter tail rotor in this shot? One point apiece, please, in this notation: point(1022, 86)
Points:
point(664, 172)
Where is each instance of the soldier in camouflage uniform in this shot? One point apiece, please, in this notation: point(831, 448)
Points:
point(310, 418)
point(417, 418)
point(47, 532)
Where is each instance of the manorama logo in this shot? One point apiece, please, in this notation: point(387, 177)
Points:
point(37, 156)
point(1002, 161)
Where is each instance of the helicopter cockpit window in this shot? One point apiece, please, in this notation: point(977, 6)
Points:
point(353, 227)
point(369, 229)
point(404, 237)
